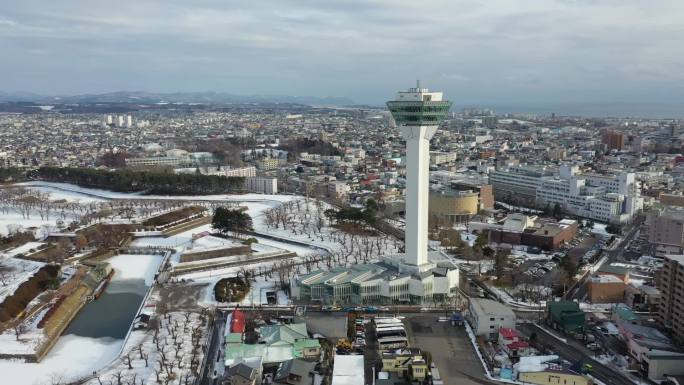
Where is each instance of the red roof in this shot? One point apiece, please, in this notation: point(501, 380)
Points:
point(508, 333)
point(237, 323)
point(518, 345)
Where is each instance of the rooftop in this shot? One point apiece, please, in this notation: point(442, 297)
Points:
point(488, 306)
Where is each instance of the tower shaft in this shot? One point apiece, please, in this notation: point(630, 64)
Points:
point(417, 192)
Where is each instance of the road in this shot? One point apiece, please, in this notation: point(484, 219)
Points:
point(612, 255)
point(573, 353)
point(215, 351)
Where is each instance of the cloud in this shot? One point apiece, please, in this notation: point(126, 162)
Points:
point(475, 50)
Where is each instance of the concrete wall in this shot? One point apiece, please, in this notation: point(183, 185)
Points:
point(553, 378)
point(224, 252)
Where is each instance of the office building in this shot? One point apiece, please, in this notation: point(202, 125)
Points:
point(517, 185)
point(604, 198)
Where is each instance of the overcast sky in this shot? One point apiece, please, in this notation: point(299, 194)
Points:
point(478, 52)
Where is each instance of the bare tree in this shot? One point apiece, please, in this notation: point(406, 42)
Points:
point(127, 360)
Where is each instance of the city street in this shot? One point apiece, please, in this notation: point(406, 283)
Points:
point(214, 359)
point(614, 254)
point(573, 352)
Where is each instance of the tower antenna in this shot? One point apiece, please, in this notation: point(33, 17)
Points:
point(418, 84)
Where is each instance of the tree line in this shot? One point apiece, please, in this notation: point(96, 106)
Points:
point(152, 182)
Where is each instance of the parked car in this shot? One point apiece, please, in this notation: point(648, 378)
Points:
point(593, 346)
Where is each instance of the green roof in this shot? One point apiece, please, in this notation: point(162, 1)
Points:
point(558, 307)
point(568, 314)
point(245, 351)
point(612, 269)
point(300, 345)
point(625, 313)
point(234, 338)
point(274, 334)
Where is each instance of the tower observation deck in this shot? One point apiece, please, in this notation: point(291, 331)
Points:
point(418, 113)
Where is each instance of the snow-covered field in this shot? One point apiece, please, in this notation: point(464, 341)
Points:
point(179, 339)
point(14, 272)
point(77, 192)
point(15, 220)
point(71, 357)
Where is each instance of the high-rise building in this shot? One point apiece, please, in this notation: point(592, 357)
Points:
point(129, 121)
point(670, 311)
point(121, 121)
point(614, 140)
point(418, 113)
point(110, 120)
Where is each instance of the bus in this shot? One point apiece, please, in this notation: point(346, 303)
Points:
point(392, 325)
point(386, 320)
point(387, 343)
point(391, 332)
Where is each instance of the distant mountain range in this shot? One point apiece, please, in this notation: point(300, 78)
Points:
point(142, 97)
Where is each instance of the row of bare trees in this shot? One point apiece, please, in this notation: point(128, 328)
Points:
point(310, 217)
point(171, 353)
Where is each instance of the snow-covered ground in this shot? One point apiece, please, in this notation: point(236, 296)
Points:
point(67, 195)
point(177, 342)
point(14, 272)
point(600, 229)
point(135, 266)
point(23, 249)
point(77, 192)
point(15, 220)
point(521, 252)
point(71, 357)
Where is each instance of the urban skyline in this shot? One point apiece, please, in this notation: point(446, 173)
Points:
point(304, 192)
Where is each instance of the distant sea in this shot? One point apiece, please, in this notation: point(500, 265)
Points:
point(597, 110)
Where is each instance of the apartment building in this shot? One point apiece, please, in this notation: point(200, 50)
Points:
point(261, 185)
point(666, 230)
point(614, 140)
point(267, 164)
point(671, 285)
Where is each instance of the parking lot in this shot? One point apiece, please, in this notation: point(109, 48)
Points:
point(332, 325)
point(450, 347)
